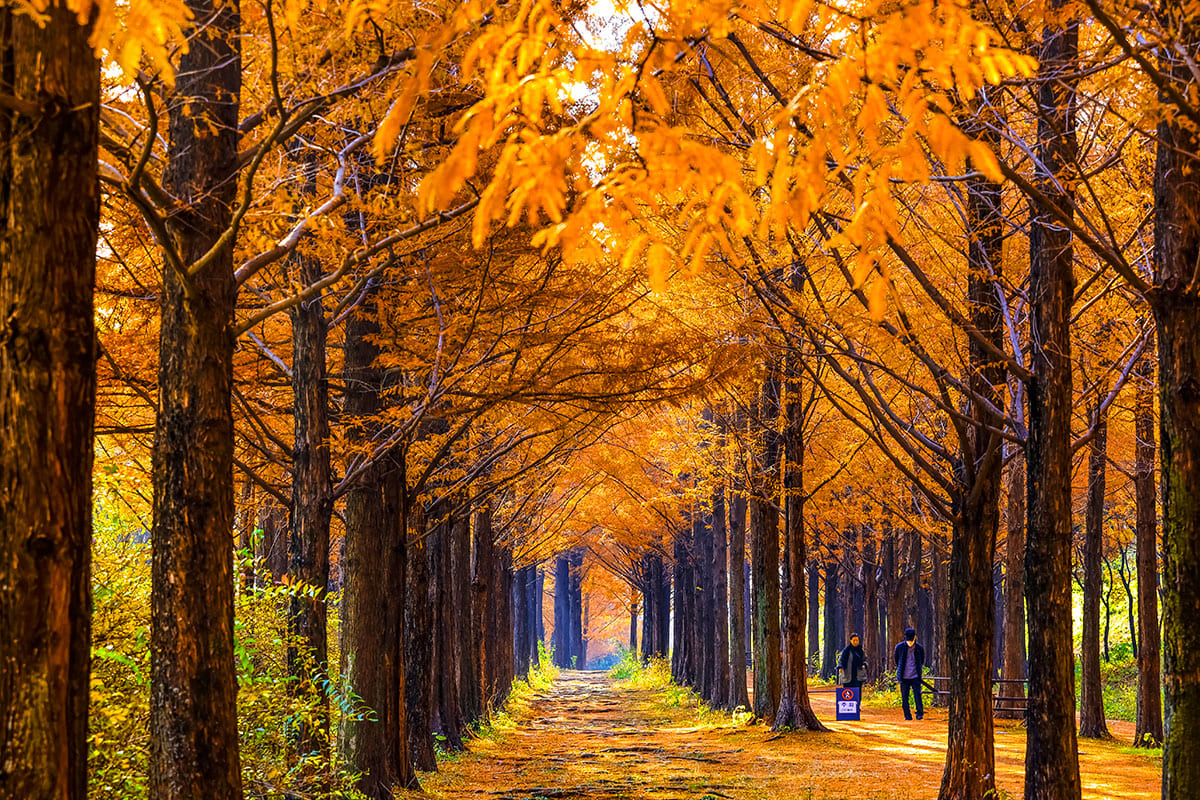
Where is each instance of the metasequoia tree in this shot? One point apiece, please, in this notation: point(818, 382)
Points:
point(49, 212)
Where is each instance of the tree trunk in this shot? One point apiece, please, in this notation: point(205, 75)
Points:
point(445, 633)
point(419, 693)
point(764, 532)
point(308, 547)
point(521, 620)
point(870, 634)
point(469, 690)
point(679, 597)
point(970, 625)
point(501, 630)
point(814, 612)
point(795, 710)
point(1014, 597)
point(720, 610)
point(49, 212)
point(374, 562)
point(1176, 304)
point(829, 655)
point(562, 611)
point(1091, 694)
point(739, 697)
point(193, 684)
point(481, 590)
point(575, 610)
point(706, 630)
point(1051, 755)
point(1149, 732)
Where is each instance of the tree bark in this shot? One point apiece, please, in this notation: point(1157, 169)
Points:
point(831, 629)
point(1051, 754)
point(562, 611)
point(795, 710)
point(419, 693)
point(764, 556)
point(312, 507)
point(970, 625)
point(720, 611)
point(521, 618)
point(1014, 597)
point(193, 684)
point(49, 212)
point(575, 610)
point(374, 562)
point(469, 692)
point(813, 573)
point(1176, 304)
point(445, 634)
point(1149, 731)
point(1091, 695)
point(739, 697)
point(482, 587)
point(870, 634)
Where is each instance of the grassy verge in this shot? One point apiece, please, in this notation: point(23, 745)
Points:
point(655, 675)
point(514, 709)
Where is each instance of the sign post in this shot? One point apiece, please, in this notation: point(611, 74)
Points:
point(848, 698)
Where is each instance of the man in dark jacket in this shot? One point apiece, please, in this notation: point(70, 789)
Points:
point(910, 660)
point(853, 662)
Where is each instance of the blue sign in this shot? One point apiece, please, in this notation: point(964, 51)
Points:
point(848, 698)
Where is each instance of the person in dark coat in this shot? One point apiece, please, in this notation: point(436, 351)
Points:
point(853, 662)
point(910, 660)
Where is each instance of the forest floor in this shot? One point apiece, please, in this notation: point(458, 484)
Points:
point(590, 737)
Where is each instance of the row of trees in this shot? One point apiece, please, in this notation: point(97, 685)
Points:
point(923, 251)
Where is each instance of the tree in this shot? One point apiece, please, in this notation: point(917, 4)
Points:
point(1051, 759)
point(49, 213)
point(193, 685)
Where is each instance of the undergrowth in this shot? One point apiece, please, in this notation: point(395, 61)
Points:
point(655, 675)
point(516, 705)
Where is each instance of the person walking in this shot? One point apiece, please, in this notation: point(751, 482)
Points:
point(910, 659)
point(852, 664)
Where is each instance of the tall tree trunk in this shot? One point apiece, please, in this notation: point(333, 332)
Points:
point(575, 618)
point(312, 507)
point(1091, 695)
point(445, 633)
point(679, 608)
point(1176, 304)
point(562, 611)
point(374, 562)
point(705, 631)
point(469, 691)
point(720, 610)
point(49, 212)
point(539, 596)
point(764, 540)
point(633, 618)
point(193, 685)
point(829, 652)
point(482, 588)
point(501, 630)
point(813, 572)
point(1051, 755)
point(739, 697)
point(1014, 611)
point(1149, 732)
point(419, 693)
point(870, 634)
point(795, 710)
point(521, 620)
point(970, 625)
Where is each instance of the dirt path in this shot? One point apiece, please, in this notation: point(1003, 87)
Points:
point(589, 738)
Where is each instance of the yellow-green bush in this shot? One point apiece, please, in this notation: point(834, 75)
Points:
point(270, 703)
